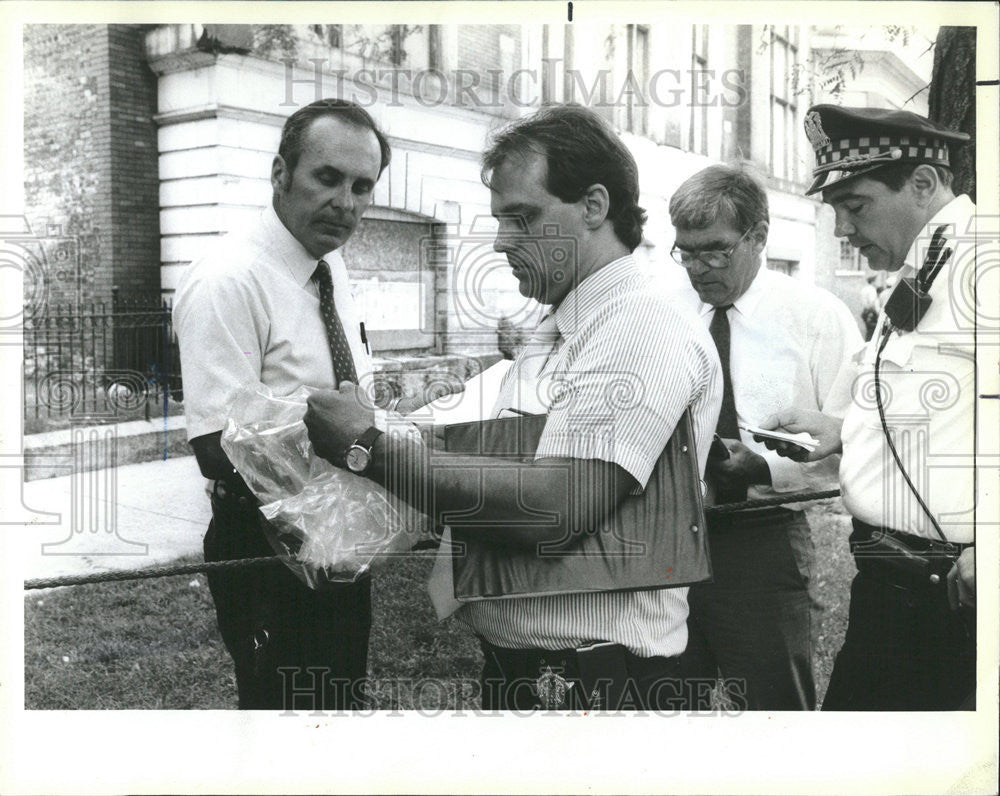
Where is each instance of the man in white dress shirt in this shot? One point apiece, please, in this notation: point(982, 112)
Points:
point(272, 304)
point(564, 190)
point(908, 440)
point(781, 342)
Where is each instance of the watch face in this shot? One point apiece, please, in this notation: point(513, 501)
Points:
point(357, 459)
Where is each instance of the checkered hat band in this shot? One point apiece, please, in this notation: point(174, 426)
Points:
point(913, 148)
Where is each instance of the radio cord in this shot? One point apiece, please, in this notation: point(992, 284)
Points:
point(886, 333)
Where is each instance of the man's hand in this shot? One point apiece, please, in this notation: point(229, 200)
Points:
point(336, 419)
point(962, 580)
point(742, 468)
point(822, 427)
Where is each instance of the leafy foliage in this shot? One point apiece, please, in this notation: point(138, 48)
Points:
point(384, 43)
point(831, 71)
point(271, 40)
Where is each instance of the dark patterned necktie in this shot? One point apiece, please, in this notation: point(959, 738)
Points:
point(343, 362)
point(727, 427)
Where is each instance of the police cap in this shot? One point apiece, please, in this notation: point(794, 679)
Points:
point(850, 142)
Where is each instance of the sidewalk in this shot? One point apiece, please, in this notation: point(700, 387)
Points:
point(133, 516)
point(142, 515)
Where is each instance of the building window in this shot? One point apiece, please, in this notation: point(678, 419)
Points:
point(784, 51)
point(569, 44)
point(637, 107)
point(435, 56)
point(548, 89)
point(698, 129)
point(850, 257)
point(508, 58)
point(788, 267)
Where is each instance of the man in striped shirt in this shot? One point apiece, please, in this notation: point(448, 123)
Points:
point(564, 190)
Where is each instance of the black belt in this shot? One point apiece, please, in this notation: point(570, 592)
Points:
point(593, 676)
point(902, 559)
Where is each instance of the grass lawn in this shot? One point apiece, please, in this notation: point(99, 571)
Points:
point(154, 643)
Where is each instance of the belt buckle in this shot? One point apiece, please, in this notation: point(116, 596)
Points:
point(551, 688)
point(260, 639)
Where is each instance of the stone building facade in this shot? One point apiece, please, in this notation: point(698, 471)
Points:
point(147, 141)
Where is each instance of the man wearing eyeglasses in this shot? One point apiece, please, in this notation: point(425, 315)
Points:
point(779, 341)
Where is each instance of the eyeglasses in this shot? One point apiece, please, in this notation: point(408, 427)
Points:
point(711, 258)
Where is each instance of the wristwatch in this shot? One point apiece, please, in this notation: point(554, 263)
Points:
point(359, 455)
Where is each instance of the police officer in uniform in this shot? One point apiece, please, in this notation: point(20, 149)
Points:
point(906, 473)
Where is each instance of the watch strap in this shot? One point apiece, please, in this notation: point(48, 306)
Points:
point(369, 438)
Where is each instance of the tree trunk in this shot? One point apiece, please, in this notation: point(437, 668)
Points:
point(952, 98)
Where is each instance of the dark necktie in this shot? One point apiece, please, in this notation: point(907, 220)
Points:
point(727, 427)
point(343, 362)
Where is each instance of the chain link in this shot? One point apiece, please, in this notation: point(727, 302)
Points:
point(149, 572)
point(777, 500)
point(240, 563)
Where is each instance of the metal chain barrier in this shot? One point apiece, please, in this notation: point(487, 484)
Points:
point(240, 563)
point(148, 572)
point(778, 500)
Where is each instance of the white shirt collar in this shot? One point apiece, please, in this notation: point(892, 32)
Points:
point(956, 214)
point(594, 290)
point(746, 304)
point(300, 264)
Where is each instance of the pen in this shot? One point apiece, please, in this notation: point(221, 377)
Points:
point(364, 339)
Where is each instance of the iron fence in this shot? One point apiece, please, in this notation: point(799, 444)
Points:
point(103, 361)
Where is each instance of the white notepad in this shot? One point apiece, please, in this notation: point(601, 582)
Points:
point(803, 439)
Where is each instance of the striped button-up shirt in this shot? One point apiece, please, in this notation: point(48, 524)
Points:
point(625, 361)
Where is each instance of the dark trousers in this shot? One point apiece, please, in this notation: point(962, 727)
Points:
point(754, 623)
point(625, 681)
point(905, 648)
point(293, 648)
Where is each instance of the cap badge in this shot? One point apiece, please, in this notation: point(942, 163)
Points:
point(814, 131)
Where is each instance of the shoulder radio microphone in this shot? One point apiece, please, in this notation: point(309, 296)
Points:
point(910, 299)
